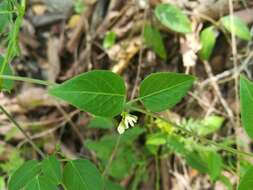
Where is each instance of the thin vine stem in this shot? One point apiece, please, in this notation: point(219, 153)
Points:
point(16, 124)
point(157, 181)
point(26, 79)
point(131, 102)
point(114, 152)
point(202, 139)
point(7, 12)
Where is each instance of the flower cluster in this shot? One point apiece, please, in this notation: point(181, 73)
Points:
point(126, 121)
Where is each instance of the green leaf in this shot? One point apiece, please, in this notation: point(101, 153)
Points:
point(15, 160)
point(240, 28)
point(109, 40)
point(81, 174)
point(99, 92)
point(13, 42)
point(6, 85)
point(173, 18)
point(124, 163)
point(207, 40)
point(203, 127)
point(4, 18)
point(24, 175)
point(160, 91)
point(2, 183)
point(176, 144)
point(246, 182)
point(156, 139)
point(124, 160)
point(244, 167)
point(246, 101)
point(100, 123)
point(103, 147)
point(214, 163)
point(79, 6)
point(153, 39)
point(210, 124)
point(51, 168)
point(206, 162)
point(195, 160)
point(132, 134)
point(109, 185)
point(226, 181)
point(41, 183)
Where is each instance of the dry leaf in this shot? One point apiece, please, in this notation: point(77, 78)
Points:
point(74, 21)
point(10, 105)
point(39, 9)
point(122, 53)
point(190, 45)
point(53, 58)
point(34, 97)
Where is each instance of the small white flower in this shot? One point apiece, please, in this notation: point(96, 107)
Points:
point(131, 119)
point(127, 120)
point(121, 128)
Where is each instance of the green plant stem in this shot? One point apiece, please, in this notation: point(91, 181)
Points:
point(7, 12)
point(157, 181)
point(64, 187)
point(202, 139)
point(131, 102)
point(108, 165)
point(26, 79)
point(9, 116)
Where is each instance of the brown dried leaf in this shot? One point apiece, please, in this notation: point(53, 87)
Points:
point(34, 97)
point(53, 58)
point(74, 21)
point(39, 9)
point(190, 45)
point(123, 52)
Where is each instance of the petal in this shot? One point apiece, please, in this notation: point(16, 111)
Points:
point(131, 123)
point(133, 118)
point(121, 129)
point(126, 123)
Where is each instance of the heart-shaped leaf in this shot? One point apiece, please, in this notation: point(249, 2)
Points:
point(246, 101)
point(99, 92)
point(160, 91)
point(173, 18)
point(82, 175)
